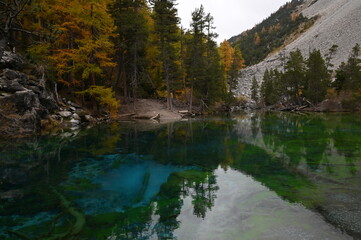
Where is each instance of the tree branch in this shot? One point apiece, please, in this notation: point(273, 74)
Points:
point(24, 31)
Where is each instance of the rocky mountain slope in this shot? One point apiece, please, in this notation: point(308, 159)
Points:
point(338, 23)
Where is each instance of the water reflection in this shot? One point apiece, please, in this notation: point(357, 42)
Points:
point(174, 181)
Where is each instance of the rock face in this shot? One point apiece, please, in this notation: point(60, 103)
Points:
point(338, 23)
point(12, 60)
point(23, 103)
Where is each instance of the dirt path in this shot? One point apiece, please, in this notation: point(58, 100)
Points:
point(148, 108)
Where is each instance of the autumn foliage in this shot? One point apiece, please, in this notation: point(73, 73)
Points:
point(111, 49)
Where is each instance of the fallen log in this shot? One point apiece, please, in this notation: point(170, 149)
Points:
point(156, 117)
point(128, 115)
point(183, 112)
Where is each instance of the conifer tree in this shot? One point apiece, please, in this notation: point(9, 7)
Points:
point(317, 77)
point(166, 28)
point(265, 86)
point(196, 49)
point(254, 89)
point(294, 77)
point(204, 61)
point(348, 75)
point(331, 52)
point(130, 18)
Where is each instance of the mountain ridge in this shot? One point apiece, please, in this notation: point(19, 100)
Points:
point(337, 23)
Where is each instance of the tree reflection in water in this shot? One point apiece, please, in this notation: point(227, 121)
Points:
point(302, 158)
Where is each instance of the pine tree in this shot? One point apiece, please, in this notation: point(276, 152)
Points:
point(317, 77)
point(294, 77)
point(166, 28)
point(254, 89)
point(197, 49)
point(131, 21)
point(204, 61)
point(331, 52)
point(348, 75)
point(265, 87)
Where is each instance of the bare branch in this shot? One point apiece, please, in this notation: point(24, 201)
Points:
point(24, 31)
point(22, 7)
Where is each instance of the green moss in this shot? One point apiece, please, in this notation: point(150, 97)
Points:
point(80, 184)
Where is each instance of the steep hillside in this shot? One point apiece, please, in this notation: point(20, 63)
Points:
point(337, 23)
point(267, 36)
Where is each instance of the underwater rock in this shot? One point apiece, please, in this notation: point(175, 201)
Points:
point(12, 194)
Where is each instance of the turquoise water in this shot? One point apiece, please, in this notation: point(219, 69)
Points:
point(250, 176)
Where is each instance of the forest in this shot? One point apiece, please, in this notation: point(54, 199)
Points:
point(310, 81)
point(271, 34)
point(102, 53)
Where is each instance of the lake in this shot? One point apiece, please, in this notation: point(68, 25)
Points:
point(249, 176)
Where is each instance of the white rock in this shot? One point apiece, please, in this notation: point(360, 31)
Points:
point(76, 116)
point(74, 121)
point(65, 114)
point(89, 118)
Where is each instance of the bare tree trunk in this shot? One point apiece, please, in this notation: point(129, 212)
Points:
point(56, 92)
point(2, 47)
point(191, 98)
point(183, 68)
point(167, 79)
point(169, 97)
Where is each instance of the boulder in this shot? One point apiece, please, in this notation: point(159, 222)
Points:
point(49, 103)
point(74, 122)
point(12, 81)
point(12, 60)
point(11, 85)
point(12, 74)
point(89, 119)
point(76, 116)
point(65, 114)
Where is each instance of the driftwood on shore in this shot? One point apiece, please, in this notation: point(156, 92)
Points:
point(186, 113)
point(145, 117)
point(128, 115)
point(156, 117)
point(293, 108)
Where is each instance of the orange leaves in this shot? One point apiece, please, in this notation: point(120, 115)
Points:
point(226, 52)
point(294, 16)
point(257, 39)
point(82, 29)
point(230, 57)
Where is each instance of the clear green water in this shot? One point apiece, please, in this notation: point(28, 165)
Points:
point(252, 176)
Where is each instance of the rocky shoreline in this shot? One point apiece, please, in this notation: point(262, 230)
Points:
point(28, 107)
